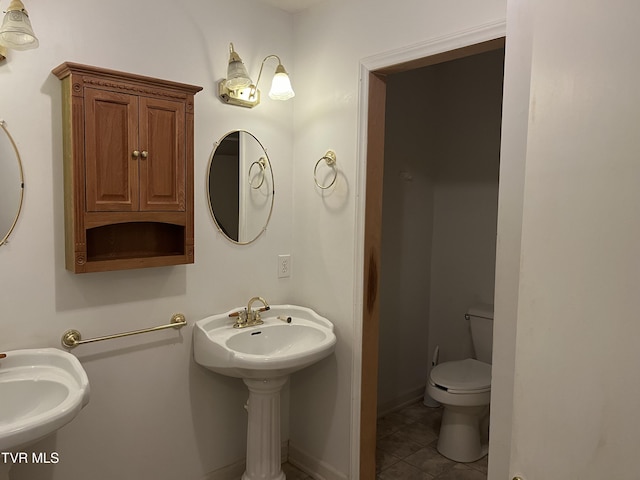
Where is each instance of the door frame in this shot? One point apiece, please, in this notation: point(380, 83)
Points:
point(372, 97)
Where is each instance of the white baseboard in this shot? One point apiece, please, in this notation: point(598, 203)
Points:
point(401, 401)
point(312, 466)
point(235, 470)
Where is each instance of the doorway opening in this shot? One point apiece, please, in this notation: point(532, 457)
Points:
point(425, 160)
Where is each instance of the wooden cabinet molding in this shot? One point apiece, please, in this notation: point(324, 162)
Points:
point(128, 168)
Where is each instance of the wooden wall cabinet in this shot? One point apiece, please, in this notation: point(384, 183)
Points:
point(128, 169)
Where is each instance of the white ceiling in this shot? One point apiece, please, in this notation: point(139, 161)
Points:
point(291, 5)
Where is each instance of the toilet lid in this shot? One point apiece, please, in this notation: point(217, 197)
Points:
point(463, 375)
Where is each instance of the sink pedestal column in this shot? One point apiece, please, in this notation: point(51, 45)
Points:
point(263, 431)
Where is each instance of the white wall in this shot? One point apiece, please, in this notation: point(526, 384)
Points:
point(153, 413)
point(570, 151)
point(465, 198)
point(407, 232)
point(331, 41)
point(516, 97)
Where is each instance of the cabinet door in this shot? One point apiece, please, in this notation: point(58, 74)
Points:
point(111, 136)
point(163, 161)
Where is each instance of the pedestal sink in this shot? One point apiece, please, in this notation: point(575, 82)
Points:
point(41, 390)
point(291, 338)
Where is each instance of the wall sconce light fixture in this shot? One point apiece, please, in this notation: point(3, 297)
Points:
point(16, 32)
point(239, 89)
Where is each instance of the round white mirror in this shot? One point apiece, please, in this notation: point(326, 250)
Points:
point(240, 187)
point(11, 184)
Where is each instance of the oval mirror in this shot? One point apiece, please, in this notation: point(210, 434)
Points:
point(240, 187)
point(11, 184)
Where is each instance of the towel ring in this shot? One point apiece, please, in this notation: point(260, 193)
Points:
point(330, 158)
point(262, 163)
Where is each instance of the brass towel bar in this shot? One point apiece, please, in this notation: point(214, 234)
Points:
point(72, 338)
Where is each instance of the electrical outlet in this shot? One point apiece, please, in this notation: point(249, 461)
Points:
point(284, 266)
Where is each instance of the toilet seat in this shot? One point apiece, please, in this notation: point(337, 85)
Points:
point(462, 376)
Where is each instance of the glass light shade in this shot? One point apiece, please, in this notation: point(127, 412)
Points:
point(281, 85)
point(237, 75)
point(16, 32)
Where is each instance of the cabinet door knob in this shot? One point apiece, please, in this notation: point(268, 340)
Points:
point(135, 154)
point(145, 154)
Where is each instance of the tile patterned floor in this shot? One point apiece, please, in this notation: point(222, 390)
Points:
point(406, 448)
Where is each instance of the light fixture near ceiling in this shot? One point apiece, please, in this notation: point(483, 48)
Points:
point(16, 32)
point(238, 88)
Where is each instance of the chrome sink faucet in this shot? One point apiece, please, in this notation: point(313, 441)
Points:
point(249, 317)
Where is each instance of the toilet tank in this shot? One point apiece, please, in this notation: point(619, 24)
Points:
point(481, 323)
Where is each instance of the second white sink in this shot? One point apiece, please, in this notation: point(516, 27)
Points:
point(273, 349)
point(40, 390)
point(290, 339)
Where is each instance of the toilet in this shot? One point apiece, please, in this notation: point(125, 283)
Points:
point(463, 387)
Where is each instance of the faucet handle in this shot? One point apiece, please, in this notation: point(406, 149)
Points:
point(240, 314)
point(242, 317)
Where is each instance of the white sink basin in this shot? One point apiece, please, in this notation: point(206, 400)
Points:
point(273, 349)
point(40, 390)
